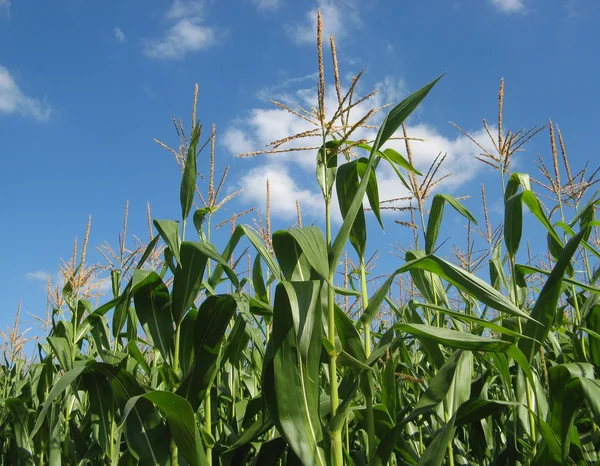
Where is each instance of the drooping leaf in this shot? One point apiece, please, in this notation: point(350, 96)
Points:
point(300, 249)
point(182, 423)
point(169, 232)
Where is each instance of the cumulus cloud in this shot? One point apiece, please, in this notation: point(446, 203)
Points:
point(292, 174)
point(14, 101)
point(188, 33)
point(339, 18)
point(119, 35)
point(285, 190)
point(509, 6)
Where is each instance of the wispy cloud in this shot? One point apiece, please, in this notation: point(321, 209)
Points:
point(14, 101)
point(509, 6)
point(5, 7)
point(38, 275)
point(292, 174)
point(340, 17)
point(119, 35)
point(266, 4)
point(188, 32)
point(102, 284)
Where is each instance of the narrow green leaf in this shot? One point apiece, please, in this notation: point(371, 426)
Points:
point(61, 385)
point(258, 281)
point(468, 341)
point(401, 112)
point(544, 310)
point(436, 451)
point(435, 218)
point(392, 122)
point(513, 223)
point(188, 180)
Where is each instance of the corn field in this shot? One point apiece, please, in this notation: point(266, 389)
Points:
point(260, 354)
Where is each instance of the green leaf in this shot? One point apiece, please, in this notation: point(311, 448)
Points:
point(529, 269)
point(101, 406)
point(372, 188)
point(435, 218)
point(63, 351)
point(147, 252)
point(258, 281)
point(468, 341)
point(463, 280)
point(169, 232)
point(326, 167)
point(400, 113)
point(396, 158)
point(544, 310)
point(188, 278)
point(391, 123)
point(347, 183)
point(296, 366)
point(436, 451)
point(475, 409)
point(299, 249)
point(59, 387)
point(213, 318)
point(439, 387)
point(182, 423)
point(188, 180)
point(513, 223)
point(144, 430)
point(20, 427)
point(186, 343)
point(121, 309)
point(153, 309)
point(262, 250)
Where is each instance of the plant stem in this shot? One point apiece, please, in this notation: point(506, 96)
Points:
point(367, 343)
point(336, 436)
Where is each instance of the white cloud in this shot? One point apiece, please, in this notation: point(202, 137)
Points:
point(509, 6)
point(284, 189)
point(5, 6)
point(187, 34)
point(292, 174)
point(38, 275)
point(102, 284)
point(119, 35)
point(12, 99)
point(266, 4)
point(339, 18)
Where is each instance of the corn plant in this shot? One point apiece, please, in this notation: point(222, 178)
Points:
point(254, 354)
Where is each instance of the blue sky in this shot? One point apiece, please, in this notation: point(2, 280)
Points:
point(85, 87)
